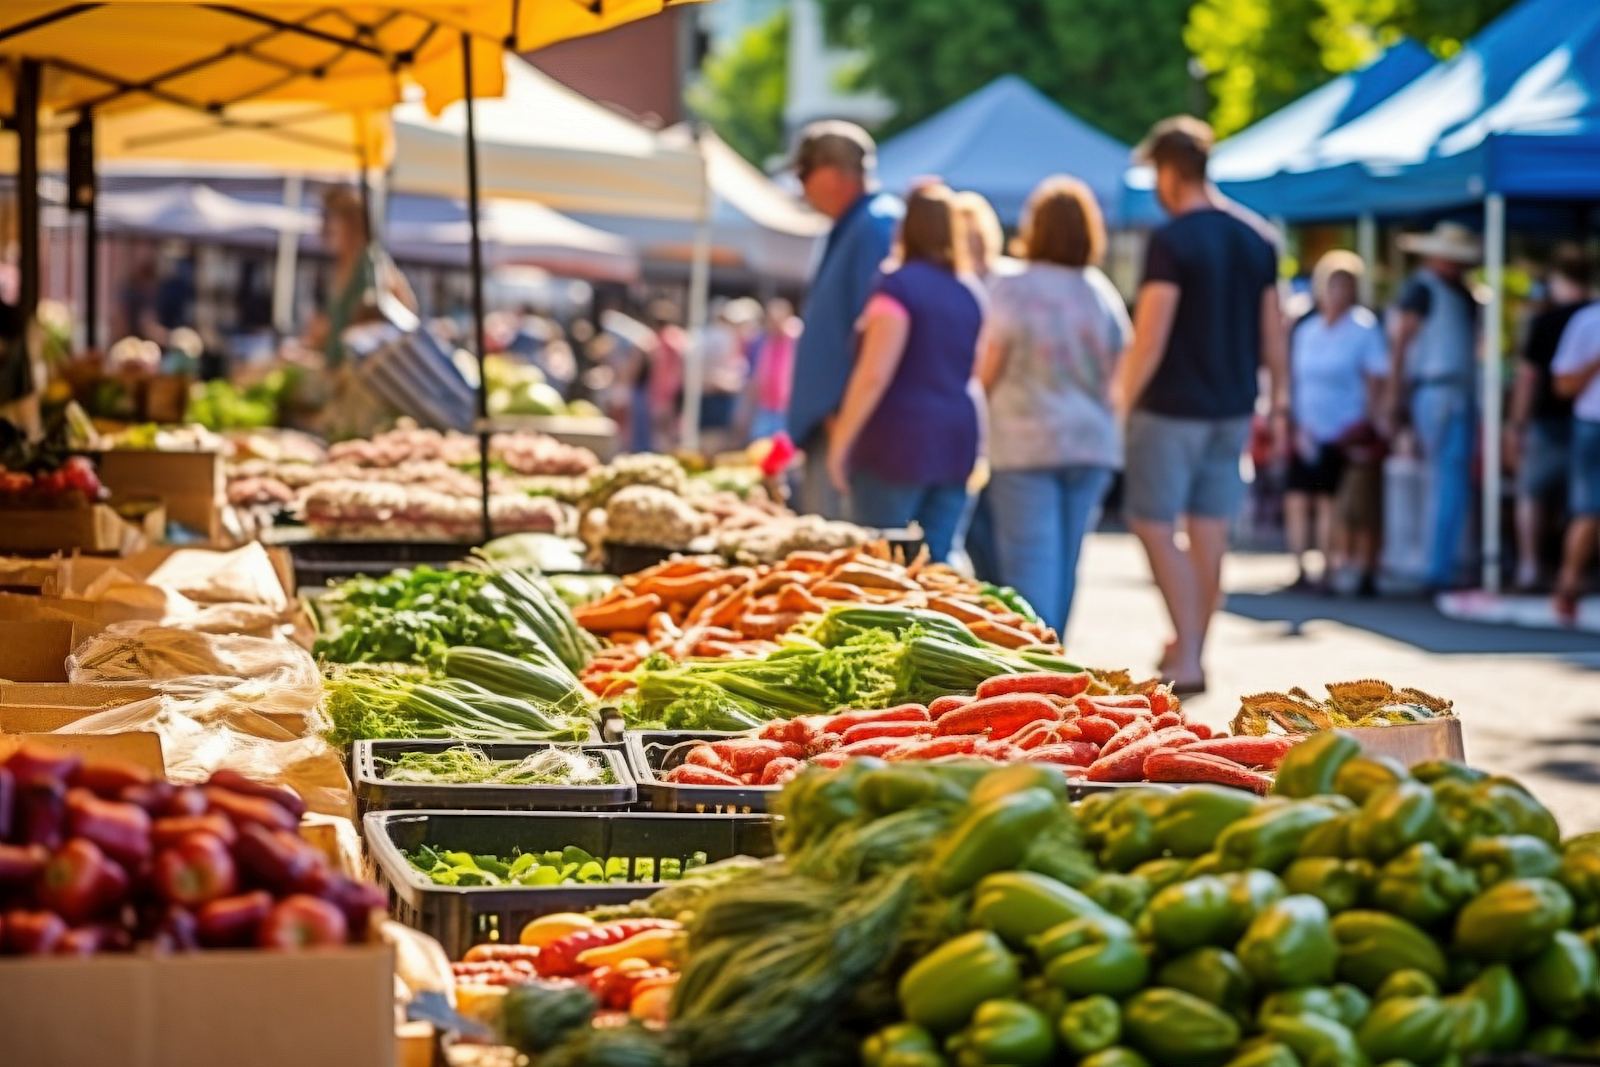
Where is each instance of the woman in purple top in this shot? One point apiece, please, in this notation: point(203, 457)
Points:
point(905, 441)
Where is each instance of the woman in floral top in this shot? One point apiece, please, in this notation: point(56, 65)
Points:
point(1056, 330)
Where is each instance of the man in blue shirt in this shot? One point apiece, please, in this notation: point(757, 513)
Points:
point(835, 163)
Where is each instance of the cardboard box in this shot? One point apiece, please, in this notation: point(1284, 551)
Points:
point(239, 1008)
point(97, 695)
point(48, 718)
point(1414, 742)
point(139, 747)
point(91, 528)
point(37, 650)
point(191, 484)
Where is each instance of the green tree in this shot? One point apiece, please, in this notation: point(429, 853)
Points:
point(742, 90)
point(1263, 54)
point(1117, 64)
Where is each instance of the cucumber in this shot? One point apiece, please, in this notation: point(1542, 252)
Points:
point(508, 676)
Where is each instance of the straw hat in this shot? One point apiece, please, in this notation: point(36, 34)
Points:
point(1447, 240)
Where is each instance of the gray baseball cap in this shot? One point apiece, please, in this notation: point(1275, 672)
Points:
point(835, 143)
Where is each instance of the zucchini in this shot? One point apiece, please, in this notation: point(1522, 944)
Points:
point(508, 676)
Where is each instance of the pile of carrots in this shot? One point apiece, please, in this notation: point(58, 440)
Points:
point(699, 606)
point(1042, 717)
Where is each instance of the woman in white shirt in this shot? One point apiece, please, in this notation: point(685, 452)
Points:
point(1576, 368)
point(1338, 360)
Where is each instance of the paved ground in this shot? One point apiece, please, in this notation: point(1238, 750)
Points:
point(1529, 700)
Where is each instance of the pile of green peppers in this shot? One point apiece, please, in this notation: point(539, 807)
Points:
point(1361, 915)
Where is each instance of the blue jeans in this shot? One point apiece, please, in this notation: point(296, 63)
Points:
point(941, 510)
point(1040, 519)
point(1444, 419)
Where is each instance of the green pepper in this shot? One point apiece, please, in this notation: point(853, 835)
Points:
point(1339, 884)
point(1270, 838)
point(1058, 851)
point(1375, 944)
point(1353, 1004)
point(1189, 914)
point(1363, 776)
point(900, 786)
point(1498, 990)
point(1393, 820)
point(1310, 767)
point(1213, 975)
point(1116, 1056)
point(1423, 886)
point(1589, 842)
point(943, 988)
point(1015, 777)
point(1190, 822)
point(1471, 1024)
point(1317, 1040)
point(1128, 835)
point(1249, 894)
point(1089, 1025)
point(1290, 944)
point(1519, 808)
point(1552, 1041)
point(1043, 994)
point(1560, 980)
point(1439, 770)
point(1159, 874)
point(1003, 1033)
point(1495, 859)
point(1407, 983)
point(1210, 863)
point(1178, 1029)
point(1018, 905)
point(1096, 809)
point(1513, 920)
point(1330, 839)
point(1419, 1029)
point(1579, 874)
point(1309, 1000)
point(1266, 1054)
point(1123, 895)
point(992, 837)
point(1095, 954)
point(901, 1045)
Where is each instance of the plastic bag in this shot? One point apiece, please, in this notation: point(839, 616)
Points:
point(243, 576)
point(206, 730)
point(276, 671)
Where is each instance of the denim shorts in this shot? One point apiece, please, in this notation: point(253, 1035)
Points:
point(1583, 494)
point(1545, 463)
point(1183, 467)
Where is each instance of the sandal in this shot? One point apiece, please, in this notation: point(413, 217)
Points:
point(1189, 689)
point(1565, 603)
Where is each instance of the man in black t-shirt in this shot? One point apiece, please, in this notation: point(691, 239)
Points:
point(1206, 321)
point(1538, 431)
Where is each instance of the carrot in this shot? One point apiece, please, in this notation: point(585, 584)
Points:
point(921, 561)
point(700, 608)
point(1000, 716)
point(704, 755)
point(841, 722)
point(757, 625)
point(830, 760)
point(710, 648)
point(1048, 682)
point(1166, 719)
point(631, 614)
point(1184, 766)
point(684, 566)
point(794, 598)
point(1004, 636)
point(1253, 751)
point(1200, 730)
point(1127, 736)
point(780, 770)
point(948, 702)
point(1039, 734)
point(629, 638)
point(1121, 714)
point(687, 588)
point(662, 629)
point(1066, 754)
point(803, 560)
point(730, 609)
point(1127, 763)
point(934, 747)
point(687, 774)
point(870, 577)
point(1097, 729)
point(873, 746)
point(831, 590)
point(958, 610)
point(863, 730)
point(748, 754)
point(999, 751)
point(1129, 700)
point(1162, 700)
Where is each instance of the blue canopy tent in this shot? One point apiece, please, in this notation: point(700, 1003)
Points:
point(1001, 141)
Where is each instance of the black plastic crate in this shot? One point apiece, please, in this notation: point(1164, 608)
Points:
point(322, 562)
point(460, 917)
point(375, 793)
point(652, 753)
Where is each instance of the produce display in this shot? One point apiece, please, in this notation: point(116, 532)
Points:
point(570, 866)
point(42, 474)
point(463, 764)
point(1364, 703)
point(1039, 717)
point(953, 914)
point(98, 856)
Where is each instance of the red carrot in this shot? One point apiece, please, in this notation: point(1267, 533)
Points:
point(746, 754)
point(1127, 700)
point(690, 774)
point(863, 730)
point(1200, 730)
point(1127, 736)
point(1251, 751)
point(781, 770)
point(1162, 700)
point(948, 703)
point(999, 751)
point(1127, 764)
point(838, 724)
point(872, 746)
point(999, 716)
point(1166, 719)
point(1097, 729)
point(1044, 682)
point(703, 755)
point(829, 760)
point(934, 747)
point(1066, 754)
point(1184, 766)
point(1117, 713)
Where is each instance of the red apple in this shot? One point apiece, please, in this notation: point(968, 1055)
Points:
point(32, 763)
point(244, 809)
point(357, 900)
point(184, 800)
point(279, 860)
point(32, 933)
point(79, 881)
point(41, 812)
point(233, 921)
point(195, 870)
point(108, 777)
point(170, 830)
point(303, 921)
point(121, 829)
point(20, 864)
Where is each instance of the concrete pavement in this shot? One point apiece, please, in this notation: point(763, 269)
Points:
point(1529, 700)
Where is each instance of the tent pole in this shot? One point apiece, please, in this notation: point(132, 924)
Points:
point(1494, 258)
point(475, 248)
point(84, 195)
point(694, 366)
point(27, 120)
point(1367, 249)
point(283, 268)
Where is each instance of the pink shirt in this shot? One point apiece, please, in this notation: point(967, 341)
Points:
point(775, 367)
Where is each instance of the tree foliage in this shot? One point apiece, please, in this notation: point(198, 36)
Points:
point(1263, 54)
point(1117, 64)
point(742, 90)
